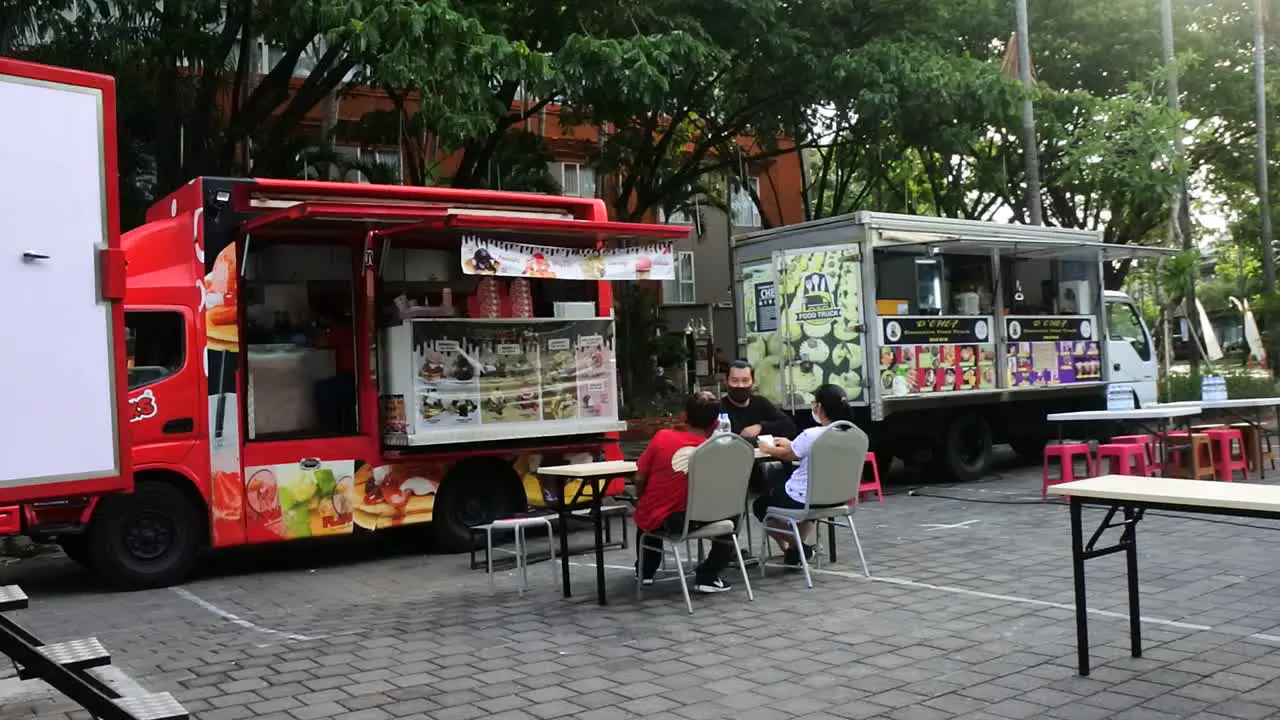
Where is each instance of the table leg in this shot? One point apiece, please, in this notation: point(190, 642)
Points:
point(1131, 560)
point(1077, 569)
point(597, 520)
point(564, 539)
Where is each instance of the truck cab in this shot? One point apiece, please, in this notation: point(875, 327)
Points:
point(1130, 346)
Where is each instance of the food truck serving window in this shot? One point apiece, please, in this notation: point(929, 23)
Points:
point(299, 307)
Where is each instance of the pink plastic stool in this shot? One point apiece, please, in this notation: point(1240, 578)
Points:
point(1125, 459)
point(1147, 441)
point(874, 484)
point(1225, 462)
point(1066, 455)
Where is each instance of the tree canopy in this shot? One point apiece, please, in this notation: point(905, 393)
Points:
point(898, 105)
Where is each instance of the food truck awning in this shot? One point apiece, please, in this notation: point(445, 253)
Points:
point(909, 233)
point(394, 219)
point(1027, 249)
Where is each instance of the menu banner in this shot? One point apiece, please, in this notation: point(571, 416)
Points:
point(484, 256)
point(1051, 328)
point(935, 330)
point(489, 374)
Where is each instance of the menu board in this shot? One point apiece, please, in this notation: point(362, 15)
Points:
point(920, 369)
point(494, 376)
point(820, 295)
point(1052, 350)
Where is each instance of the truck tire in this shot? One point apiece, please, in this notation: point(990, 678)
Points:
point(145, 539)
point(76, 548)
point(964, 453)
point(473, 493)
point(1029, 448)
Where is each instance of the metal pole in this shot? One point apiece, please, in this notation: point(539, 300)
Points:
point(1031, 145)
point(1180, 213)
point(1264, 194)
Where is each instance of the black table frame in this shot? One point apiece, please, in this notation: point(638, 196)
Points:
point(1132, 512)
point(565, 510)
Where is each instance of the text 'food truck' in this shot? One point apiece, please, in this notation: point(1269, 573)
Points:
point(312, 359)
point(948, 335)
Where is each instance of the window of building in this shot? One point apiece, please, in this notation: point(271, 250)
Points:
point(745, 212)
point(299, 340)
point(575, 179)
point(681, 290)
point(156, 345)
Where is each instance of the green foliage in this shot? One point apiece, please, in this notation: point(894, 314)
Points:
point(1177, 387)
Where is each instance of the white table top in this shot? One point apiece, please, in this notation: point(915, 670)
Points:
point(591, 470)
point(1175, 491)
point(1155, 412)
point(1229, 403)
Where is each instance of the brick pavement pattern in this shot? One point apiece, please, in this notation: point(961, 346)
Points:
point(960, 621)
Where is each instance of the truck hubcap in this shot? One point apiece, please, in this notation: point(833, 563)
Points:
point(148, 537)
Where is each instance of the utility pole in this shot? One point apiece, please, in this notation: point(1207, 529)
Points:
point(1031, 145)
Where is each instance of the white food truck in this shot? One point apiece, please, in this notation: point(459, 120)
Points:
point(948, 335)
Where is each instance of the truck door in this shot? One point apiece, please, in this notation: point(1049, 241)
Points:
point(819, 298)
point(1132, 356)
point(61, 287)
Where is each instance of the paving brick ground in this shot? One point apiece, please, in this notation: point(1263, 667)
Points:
point(967, 616)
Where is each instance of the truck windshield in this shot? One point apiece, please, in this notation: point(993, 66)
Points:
point(1123, 326)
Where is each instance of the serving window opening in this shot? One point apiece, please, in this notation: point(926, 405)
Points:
point(300, 347)
point(936, 317)
point(479, 324)
point(488, 339)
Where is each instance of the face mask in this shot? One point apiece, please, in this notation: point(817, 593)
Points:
point(739, 394)
point(816, 419)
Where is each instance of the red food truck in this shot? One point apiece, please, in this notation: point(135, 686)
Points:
point(312, 359)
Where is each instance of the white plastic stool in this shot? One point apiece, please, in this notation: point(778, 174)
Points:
point(517, 526)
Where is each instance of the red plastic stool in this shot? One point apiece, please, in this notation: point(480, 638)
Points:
point(874, 484)
point(1225, 461)
point(1066, 455)
point(1125, 459)
point(1147, 441)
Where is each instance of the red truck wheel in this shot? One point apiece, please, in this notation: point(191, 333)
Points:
point(146, 539)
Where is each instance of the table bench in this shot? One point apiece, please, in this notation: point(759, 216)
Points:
point(1131, 496)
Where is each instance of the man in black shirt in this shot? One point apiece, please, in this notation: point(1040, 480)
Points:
point(750, 414)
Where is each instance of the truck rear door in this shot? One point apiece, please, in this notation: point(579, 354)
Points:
point(65, 427)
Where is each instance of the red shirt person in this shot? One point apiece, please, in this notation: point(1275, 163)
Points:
point(662, 480)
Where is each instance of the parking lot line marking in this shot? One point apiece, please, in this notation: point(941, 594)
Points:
point(236, 619)
point(1008, 598)
point(991, 596)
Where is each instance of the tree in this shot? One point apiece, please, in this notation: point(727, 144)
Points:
point(201, 96)
point(723, 82)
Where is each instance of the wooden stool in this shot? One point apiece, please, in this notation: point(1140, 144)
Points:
point(1199, 465)
point(1257, 447)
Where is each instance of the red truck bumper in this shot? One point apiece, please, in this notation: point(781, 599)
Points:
point(10, 519)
